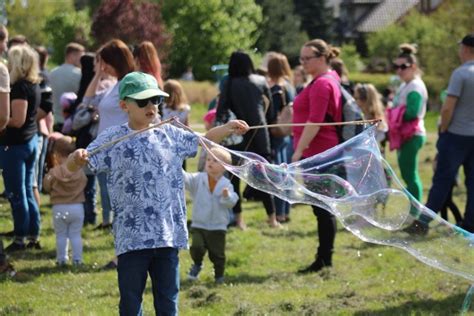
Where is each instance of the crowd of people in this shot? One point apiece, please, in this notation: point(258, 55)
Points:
point(54, 127)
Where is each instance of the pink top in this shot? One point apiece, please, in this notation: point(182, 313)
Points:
point(321, 96)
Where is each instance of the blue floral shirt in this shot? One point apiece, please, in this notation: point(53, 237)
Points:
point(145, 184)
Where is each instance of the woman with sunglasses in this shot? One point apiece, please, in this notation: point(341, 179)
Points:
point(116, 60)
point(411, 97)
point(319, 101)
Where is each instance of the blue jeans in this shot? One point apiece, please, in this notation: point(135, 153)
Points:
point(90, 202)
point(104, 197)
point(40, 160)
point(18, 163)
point(282, 148)
point(453, 151)
point(162, 264)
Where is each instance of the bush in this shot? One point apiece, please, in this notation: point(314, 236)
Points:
point(201, 92)
point(351, 58)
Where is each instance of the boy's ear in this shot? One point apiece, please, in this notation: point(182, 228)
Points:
point(123, 105)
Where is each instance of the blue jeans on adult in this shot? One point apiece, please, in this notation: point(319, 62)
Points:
point(42, 150)
point(104, 197)
point(162, 264)
point(90, 202)
point(18, 162)
point(453, 151)
point(282, 148)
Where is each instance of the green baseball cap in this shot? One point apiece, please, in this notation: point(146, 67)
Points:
point(139, 86)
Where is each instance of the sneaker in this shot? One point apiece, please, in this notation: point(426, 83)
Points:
point(417, 228)
point(316, 266)
point(7, 269)
point(77, 263)
point(110, 265)
point(61, 263)
point(219, 280)
point(34, 245)
point(15, 246)
point(194, 272)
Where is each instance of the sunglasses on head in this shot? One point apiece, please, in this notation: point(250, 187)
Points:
point(402, 66)
point(156, 100)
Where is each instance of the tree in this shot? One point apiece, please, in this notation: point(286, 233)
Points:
point(317, 18)
point(65, 27)
point(30, 19)
point(130, 21)
point(281, 28)
point(205, 32)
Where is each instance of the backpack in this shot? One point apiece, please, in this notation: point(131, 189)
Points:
point(284, 112)
point(350, 112)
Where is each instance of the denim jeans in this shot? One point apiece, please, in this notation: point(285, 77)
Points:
point(453, 151)
point(104, 197)
point(90, 202)
point(18, 163)
point(283, 150)
point(40, 160)
point(162, 264)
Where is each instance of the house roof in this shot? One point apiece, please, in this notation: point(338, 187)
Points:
point(384, 14)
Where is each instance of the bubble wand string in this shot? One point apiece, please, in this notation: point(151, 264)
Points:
point(374, 121)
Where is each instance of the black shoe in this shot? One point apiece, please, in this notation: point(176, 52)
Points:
point(467, 228)
point(15, 246)
point(110, 265)
point(316, 266)
point(417, 228)
point(8, 234)
point(34, 245)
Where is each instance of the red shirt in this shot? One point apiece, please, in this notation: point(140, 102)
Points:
point(322, 96)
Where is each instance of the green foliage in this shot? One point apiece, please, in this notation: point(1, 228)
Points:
point(436, 36)
point(65, 27)
point(316, 17)
point(206, 32)
point(30, 20)
point(351, 58)
point(281, 29)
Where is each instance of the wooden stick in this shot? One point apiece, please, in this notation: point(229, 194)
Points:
point(316, 124)
point(115, 141)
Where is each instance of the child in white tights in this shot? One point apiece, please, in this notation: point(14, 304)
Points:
point(67, 196)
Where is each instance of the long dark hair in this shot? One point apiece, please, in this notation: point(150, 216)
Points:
point(240, 65)
point(87, 70)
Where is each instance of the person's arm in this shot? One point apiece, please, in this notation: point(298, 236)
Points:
point(40, 114)
point(447, 111)
point(4, 110)
point(413, 106)
point(77, 160)
point(18, 117)
point(218, 133)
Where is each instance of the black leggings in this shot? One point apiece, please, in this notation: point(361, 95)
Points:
point(326, 233)
point(267, 199)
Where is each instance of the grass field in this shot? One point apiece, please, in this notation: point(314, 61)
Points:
point(366, 279)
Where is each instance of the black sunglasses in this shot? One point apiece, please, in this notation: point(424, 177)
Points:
point(156, 100)
point(402, 66)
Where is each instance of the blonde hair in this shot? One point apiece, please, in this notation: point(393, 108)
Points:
point(177, 98)
point(322, 48)
point(23, 64)
point(222, 154)
point(373, 101)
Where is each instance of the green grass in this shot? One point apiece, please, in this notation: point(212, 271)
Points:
point(366, 279)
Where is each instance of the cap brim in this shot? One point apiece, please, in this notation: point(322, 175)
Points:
point(146, 94)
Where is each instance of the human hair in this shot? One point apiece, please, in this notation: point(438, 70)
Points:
point(87, 73)
point(177, 96)
point(17, 40)
point(337, 64)
point(373, 100)
point(148, 60)
point(240, 65)
point(42, 55)
point(322, 48)
point(23, 64)
point(222, 154)
point(72, 48)
point(278, 67)
point(3, 32)
point(63, 146)
point(117, 54)
point(408, 51)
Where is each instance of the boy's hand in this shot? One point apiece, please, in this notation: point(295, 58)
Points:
point(77, 159)
point(225, 192)
point(238, 127)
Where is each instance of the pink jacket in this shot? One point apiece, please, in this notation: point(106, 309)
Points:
point(400, 131)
